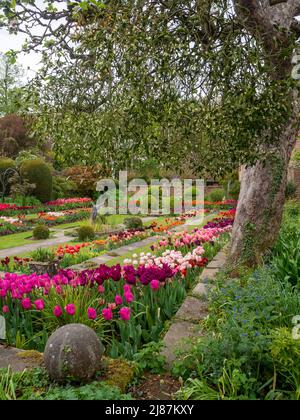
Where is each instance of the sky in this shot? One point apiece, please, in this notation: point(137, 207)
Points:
point(30, 62)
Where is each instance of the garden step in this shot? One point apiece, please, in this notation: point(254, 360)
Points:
point(208, 274)
point(200, 290)
point(218, 261)
point(187, 321)
point(177, 338)
point(192, 310)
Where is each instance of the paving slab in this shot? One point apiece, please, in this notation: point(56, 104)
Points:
point(192, 310)
point(19, 360)
point(208, 274)
point(200, 290)
point(177, 338)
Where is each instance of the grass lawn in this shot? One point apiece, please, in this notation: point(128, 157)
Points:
point(17, 239)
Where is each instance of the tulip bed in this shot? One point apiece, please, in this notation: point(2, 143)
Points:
point(126, 305)
point(75, 254)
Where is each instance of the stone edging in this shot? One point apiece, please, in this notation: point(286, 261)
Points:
point(187, 321)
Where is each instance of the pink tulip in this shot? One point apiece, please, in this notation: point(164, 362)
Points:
point(70, 309)
point(107, 314)
point(92, 314)
point(154, 284)
point(129, 297)
point(39, 304)
point(5, 309)
point(118, 300)
point(57, 311)
point(125, 313)
point(26, 304)
point(101, 289)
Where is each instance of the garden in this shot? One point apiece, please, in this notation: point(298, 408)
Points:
point(149, 201)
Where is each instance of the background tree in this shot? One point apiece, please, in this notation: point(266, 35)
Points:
point(174, 77)
point(14, 135)
point(10, 85)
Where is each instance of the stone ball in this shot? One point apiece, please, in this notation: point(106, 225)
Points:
point(73, 352)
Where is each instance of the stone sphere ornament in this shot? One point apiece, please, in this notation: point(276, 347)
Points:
point(73, 352)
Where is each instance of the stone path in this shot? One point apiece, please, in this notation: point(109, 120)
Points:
point(58, 239)
point(123, 250)
point(187, 323)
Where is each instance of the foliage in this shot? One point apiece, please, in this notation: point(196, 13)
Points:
point(92, 391)
point(296, 156)
point(35, 384)
point(216, 195)
point(38, 172)
point(291, 190)
point(86, 178)
point(286, 253)
point(41, 232)
point(63, 188)
point(10, 86)
point(9, 382)
point(85, 233)
point(150, 359)
point(20, 187)
point(23, 156)
point(170, 86)
point(6, 163)
point(43, 255)
point(133, 223)
point(14, 135)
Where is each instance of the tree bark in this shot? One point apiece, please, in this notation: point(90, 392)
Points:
point(261, 200)
point(262, 195)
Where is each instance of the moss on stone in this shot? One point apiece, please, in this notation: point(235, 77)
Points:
point(119, 373)
point(33, 355)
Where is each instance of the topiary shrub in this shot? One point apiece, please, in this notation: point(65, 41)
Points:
point(63, 188)
point(38, 172)
point(133, 223)
point(6, 163)
point(41, 232)
point(216, 195)
point(86, 233)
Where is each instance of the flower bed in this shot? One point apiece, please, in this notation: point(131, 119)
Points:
point(127, 306)
point(52, 206)
point(64, 201)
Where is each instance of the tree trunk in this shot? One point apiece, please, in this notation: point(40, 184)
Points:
point(261, 200)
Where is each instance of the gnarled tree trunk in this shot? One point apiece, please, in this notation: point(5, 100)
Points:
point(261, 200)
point(262, 195)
